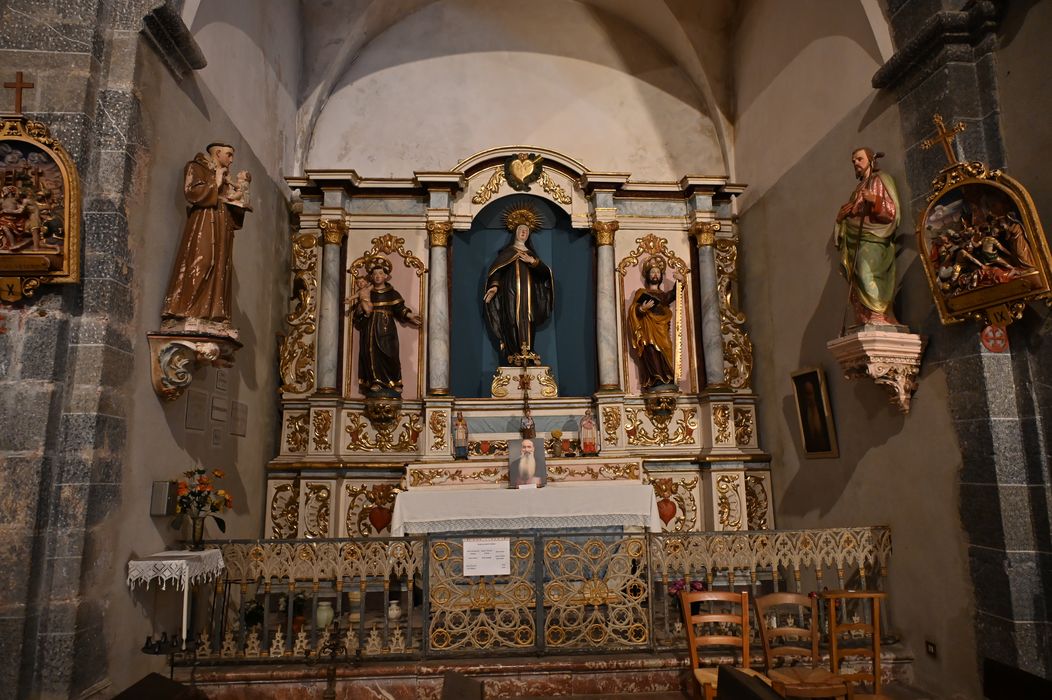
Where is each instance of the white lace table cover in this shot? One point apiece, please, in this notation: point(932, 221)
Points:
point(628, 505)
point(179, 567)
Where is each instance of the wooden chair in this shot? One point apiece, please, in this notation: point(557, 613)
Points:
point(839, 650)
point(797, 641)
point(716, 608)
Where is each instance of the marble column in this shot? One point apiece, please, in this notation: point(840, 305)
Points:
point(333, 231)
point(606, 305)
point(438, 309)
point(704, 234)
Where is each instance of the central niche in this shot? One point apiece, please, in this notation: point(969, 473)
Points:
point(566, 341)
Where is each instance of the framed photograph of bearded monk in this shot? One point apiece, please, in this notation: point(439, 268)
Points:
point(526, 468)
point(982, 245)
point(817, 432)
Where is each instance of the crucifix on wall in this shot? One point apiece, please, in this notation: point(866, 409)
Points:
point(18, 86)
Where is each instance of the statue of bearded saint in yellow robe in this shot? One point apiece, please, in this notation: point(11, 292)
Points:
point(650, 319)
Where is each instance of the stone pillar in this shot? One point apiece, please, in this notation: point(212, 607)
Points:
point(438, 309)
point(333, 232)
point(606, 305)
point(946, 62)
point(704, 235)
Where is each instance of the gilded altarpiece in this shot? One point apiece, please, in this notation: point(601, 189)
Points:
point(345, 455)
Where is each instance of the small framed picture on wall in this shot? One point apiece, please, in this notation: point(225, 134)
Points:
point(817, 432)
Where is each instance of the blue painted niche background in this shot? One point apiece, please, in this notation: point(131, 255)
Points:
point(565, 342)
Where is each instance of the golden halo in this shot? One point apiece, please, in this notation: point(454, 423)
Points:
point(525, 214)
point(375, 261)
point(657, 261)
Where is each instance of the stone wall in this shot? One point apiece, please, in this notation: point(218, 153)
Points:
point(84, 433)
point(953, 58)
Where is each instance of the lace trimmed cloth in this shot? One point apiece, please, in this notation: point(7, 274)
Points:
point(552, 507)
point(181, 568)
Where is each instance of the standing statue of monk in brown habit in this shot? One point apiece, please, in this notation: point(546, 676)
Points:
point(199, 292)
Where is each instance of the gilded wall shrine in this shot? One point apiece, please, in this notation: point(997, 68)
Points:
point(349, 444)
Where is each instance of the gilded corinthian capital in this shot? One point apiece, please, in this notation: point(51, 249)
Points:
point(604, 232)
point(704, 233)
point(438, 232)
point(333, 230)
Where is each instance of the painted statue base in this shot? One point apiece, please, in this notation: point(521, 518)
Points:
point(174, 357)
point(514, 382)
point(200, 326)
point(886, 354)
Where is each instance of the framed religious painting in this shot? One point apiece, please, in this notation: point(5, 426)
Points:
point(526, 468)
point(39, 210)
point(817, 432)
point(983, 249)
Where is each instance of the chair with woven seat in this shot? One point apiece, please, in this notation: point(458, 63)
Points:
point(843, 633)
point(789, 629)
point(718, 613)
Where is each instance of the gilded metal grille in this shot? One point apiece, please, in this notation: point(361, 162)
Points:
point(596, 592)
point(566, 591)
point(485, 612)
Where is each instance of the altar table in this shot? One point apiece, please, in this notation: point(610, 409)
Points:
point(462, 510)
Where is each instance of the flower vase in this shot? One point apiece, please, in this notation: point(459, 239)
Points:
point(325, 613)
point(197, 532)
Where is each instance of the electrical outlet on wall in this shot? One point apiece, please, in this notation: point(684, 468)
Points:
point(929, 646)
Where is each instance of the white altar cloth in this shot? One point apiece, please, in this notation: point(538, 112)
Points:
point(600, 505)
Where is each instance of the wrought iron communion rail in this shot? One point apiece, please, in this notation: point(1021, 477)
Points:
point(566, 592)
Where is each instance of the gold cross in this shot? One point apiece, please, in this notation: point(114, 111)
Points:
point(18, 86)
point(945, 136)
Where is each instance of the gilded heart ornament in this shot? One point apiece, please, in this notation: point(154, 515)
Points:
point(522, 169)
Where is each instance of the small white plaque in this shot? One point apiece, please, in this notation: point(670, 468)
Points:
point(487, 556)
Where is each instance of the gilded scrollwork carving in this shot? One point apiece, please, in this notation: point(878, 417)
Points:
point(677, 506)
point(316, 510)
point(737, 347)
point(441, 476)
point(438, 423)
point(728, 502)
point(491, 187)
point(549, 389)
point(627, 471)
point(296, 432)
point(499, 387)
point(491, 448)
point(296, 360)
point(322, 423)
point(369, 508)
point(651, 245)
point(743, 426)
point(756, 502)
point(721, 418)
point(385, 440)
point(552, 188)
point(285, 511)
point(611, 423)
point(639, 436)
point(385, 245)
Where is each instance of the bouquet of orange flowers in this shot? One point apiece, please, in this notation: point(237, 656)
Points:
point(199, 498)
